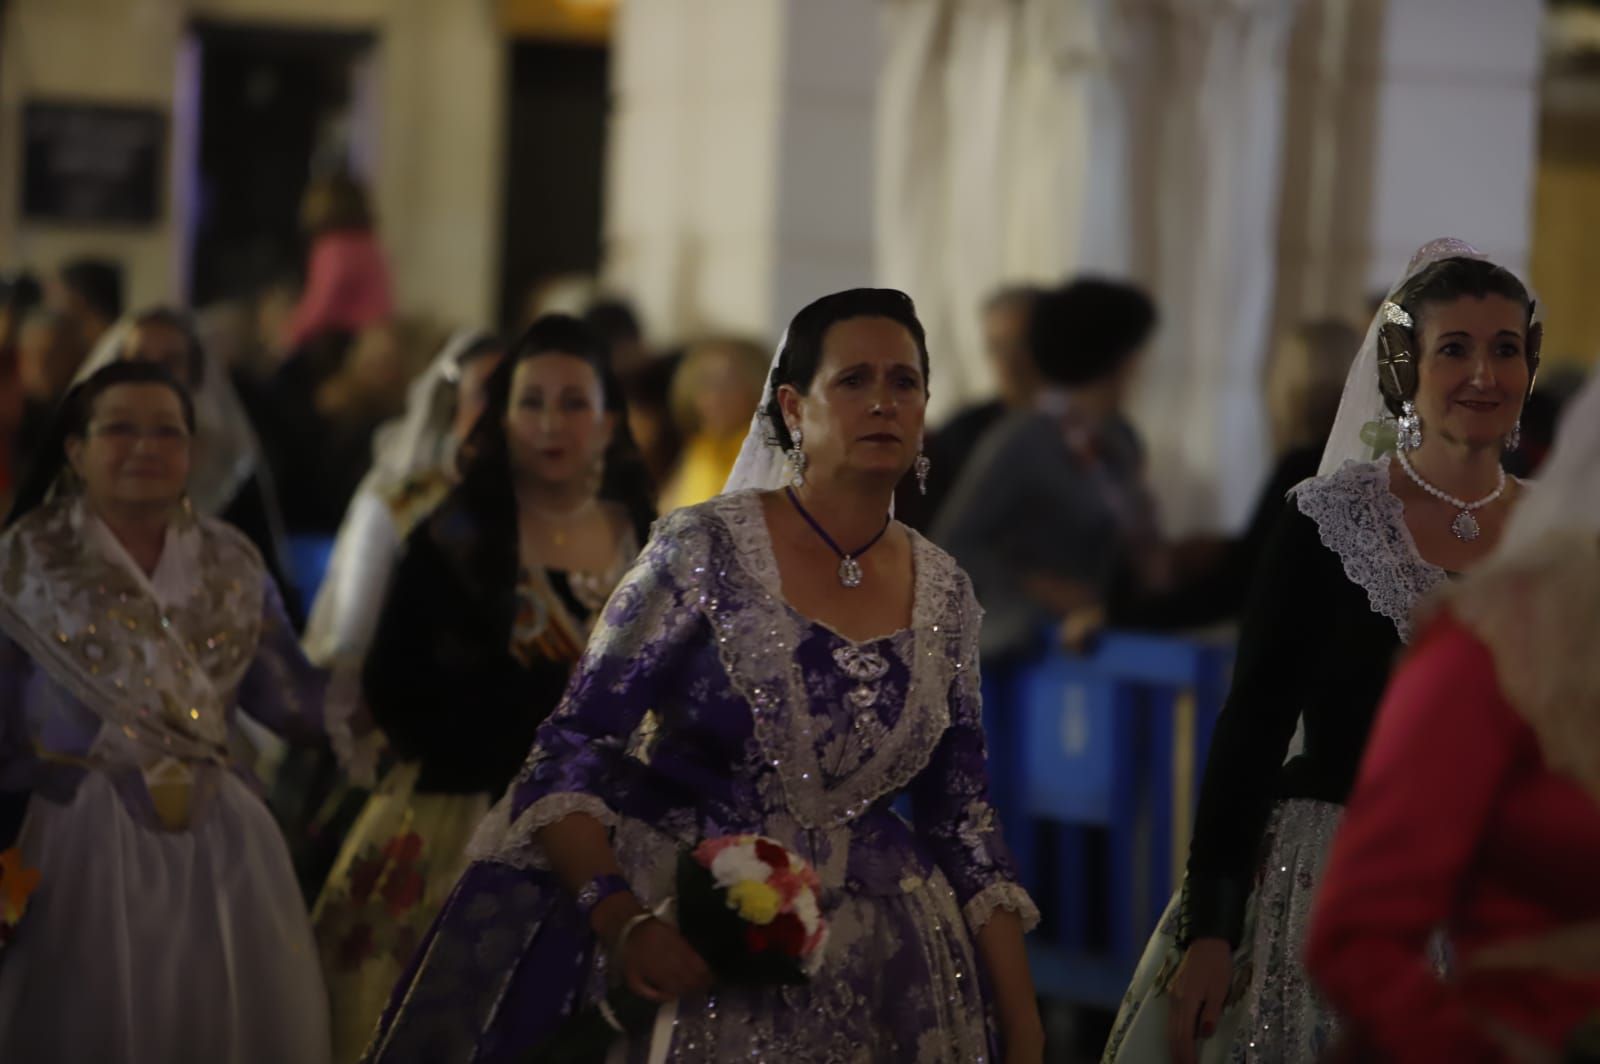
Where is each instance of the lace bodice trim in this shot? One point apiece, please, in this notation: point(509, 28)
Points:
point(757, 635)
point(1363, 522)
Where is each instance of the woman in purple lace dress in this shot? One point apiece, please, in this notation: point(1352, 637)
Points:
point(788, 662)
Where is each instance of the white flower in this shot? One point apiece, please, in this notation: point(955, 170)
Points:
point(805, 907)
point(737, 864)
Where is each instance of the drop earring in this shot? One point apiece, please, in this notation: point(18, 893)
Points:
point(1514, 440)
point(797, 460)
point(1409, 434)
point(921, 467)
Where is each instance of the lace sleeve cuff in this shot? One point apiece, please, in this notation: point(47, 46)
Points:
point(499, 839)
point(995, 896)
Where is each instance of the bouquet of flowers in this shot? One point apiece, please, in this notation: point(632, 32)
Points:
point(748, 905)
point(16, 885)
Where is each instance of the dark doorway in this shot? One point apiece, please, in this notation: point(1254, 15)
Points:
point(555, 166)
point(273, 103)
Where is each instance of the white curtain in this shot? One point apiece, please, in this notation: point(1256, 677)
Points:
point(1205, 87)
point(1030, 139)
point(982, 127)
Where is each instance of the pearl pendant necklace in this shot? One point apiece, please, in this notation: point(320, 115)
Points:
point(1465, 526)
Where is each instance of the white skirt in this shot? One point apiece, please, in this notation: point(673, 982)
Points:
point(152, 947)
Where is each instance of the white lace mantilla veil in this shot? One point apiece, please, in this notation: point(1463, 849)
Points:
point(761, 465)
point(231, 452)
point(419, 440)
point(1361, 409)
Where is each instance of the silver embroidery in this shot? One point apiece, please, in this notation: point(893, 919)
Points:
point(757, 635)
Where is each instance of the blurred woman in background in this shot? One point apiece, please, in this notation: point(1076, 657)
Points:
point(1304, 384)
point(487, 612)
point(229, 479)
point(347, 284)
point(714, 392)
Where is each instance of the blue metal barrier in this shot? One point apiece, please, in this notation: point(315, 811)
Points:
point(308, 563)
point(1096, 764)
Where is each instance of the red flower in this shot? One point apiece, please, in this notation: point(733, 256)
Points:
point(773, 854)
point(755, 938)
point(363, 878)
point(402, 891)
point(787, 935)
point(404, 849)
point(787, 883)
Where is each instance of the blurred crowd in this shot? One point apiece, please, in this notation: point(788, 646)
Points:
point(296, 383)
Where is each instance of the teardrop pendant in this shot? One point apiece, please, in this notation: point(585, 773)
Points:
point(850, 572)
point(1465, 527)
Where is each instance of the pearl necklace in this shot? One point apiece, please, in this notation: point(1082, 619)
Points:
point(1465, 526)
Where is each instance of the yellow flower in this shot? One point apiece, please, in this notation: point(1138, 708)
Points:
point(16, 883)
point(756, 902)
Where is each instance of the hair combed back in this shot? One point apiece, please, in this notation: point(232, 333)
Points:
point(72, 420)
point(1451, 279)
point(1444, 281)
point(802, 345)
point(77, 410)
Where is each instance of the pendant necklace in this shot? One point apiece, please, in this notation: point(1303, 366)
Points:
point(1465, 527)
point(557, 523)
point(849, 566)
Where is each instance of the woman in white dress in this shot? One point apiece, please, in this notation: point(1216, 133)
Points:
point(167, 926)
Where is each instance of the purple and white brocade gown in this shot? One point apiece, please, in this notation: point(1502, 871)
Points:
point(704, 706)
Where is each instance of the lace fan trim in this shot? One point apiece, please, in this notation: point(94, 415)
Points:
point(997, 896)
point(516, 844)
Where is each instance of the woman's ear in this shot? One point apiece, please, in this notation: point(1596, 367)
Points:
point(792, 403)
point(74, 450)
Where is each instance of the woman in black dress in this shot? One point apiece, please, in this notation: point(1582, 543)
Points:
point(1450, 356)
point(488, 610)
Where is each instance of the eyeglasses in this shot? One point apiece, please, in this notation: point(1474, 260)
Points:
point(126, 432)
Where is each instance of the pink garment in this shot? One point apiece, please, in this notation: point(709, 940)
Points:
point(347, 287)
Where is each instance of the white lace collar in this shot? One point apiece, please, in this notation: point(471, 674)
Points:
point(1363, 522)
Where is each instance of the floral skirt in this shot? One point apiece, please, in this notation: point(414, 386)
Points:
point(393, 873)
point(1273, 1016)
point(509, 960)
